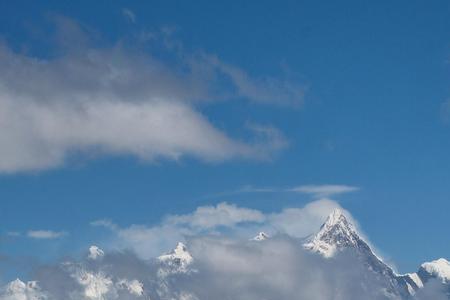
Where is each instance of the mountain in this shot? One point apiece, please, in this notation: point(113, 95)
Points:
point(262, 236)
point(438, 270)
point(18, 289)
point(101, 276)
point(176, 261)
point(95, 253)
point(338, 234)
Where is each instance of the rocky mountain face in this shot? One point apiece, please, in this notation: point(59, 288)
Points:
point(338, 234)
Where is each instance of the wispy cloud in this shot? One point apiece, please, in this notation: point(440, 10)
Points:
point(129, 14)
point(13, 233)
point(46, 234)
point(317, 191)
point(325, 190)
point(223, 214)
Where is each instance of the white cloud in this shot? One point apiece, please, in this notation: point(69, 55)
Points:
point(46, 234)
point(301, 222)
point(318, 191)
point(149, 241)
point(122, 102)
point(264, 90)
point(19, 290)
point(325, 190)
point(222, 268)
point(223, 214)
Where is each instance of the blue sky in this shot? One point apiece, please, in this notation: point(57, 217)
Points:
point(366, 106)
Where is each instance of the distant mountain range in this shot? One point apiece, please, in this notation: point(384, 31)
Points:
point(336, 237)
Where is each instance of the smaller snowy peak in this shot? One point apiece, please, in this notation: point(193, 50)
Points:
point(262, 236)
point(134, 287)
point(18, 289)
point(96, 285)
point(180, 254)
point(95, 252)
point(176, 262)
point(439, 268)
point(16, 285)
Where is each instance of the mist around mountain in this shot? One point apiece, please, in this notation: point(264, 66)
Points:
point(335, 263)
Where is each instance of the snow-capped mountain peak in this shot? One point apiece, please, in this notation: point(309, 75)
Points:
point(95, 252)
point(181, 253)
point(439, 268)
point(262, 236)
point(339, 234)
point(176, 261)
point(335, 234)
point(337, 219)
point(17, 289)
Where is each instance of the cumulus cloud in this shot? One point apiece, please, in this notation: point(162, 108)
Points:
point(45, 234)
point(278, 268)
point(223, 214)
point(325, 190)
point(148, 241)
point(221, 219)
point(301, 222)
point(123, 101)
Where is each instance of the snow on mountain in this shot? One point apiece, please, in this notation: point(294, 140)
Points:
point(338, 234)
point(134, 287)
point(176, 261)
point(19, 290)
point(96, 285)
point(416, 279)
point(439, 268)
point(95, 252)
point(100, 285)
point(179, 255)
point(262, 236)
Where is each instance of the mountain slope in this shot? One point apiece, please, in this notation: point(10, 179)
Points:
point(338, 234)
point(438, 270)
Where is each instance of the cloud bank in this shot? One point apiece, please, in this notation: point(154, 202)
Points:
point(223, 219)
point(223, 268)
point(218, 261)
point(123, 100)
